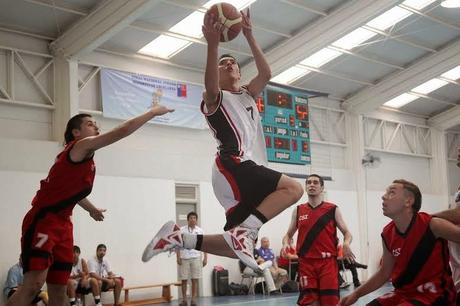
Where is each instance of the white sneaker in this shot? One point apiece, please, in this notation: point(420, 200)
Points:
point(167, 238)
point(241, 241)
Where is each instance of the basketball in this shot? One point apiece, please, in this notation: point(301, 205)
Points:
point(229, 17)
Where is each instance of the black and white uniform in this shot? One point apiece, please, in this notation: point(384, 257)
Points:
point(239, 180)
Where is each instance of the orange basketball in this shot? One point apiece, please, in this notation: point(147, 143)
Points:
point(230, 17)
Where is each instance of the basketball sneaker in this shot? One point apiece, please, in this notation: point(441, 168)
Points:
point(167, 238)
point(241, 240)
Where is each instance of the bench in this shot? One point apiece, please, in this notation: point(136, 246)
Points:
point(165, 294)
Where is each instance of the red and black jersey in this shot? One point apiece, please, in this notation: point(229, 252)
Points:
point(420, 257)
point(317, 228)
point(67, 183)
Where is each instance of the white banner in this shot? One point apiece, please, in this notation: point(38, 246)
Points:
point(125, 95)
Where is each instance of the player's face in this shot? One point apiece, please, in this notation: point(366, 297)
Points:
point(393, 200)
point(313, 186)
point(228, 69)
point(88, 128)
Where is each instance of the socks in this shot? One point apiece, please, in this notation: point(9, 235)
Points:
point(97, 299)
point(72, 301)
point(255, 220)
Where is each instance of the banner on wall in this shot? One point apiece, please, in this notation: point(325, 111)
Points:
point(285, 120)
point(125, 95)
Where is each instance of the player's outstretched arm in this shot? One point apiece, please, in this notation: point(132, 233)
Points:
point(86, 146)
point(444, 229)
point(264, 73)
point(211, 30)
point(376, 281)
point(451, 215)
point(95, 213)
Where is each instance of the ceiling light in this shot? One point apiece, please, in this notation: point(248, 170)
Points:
point(418, 4)
point(429, 86)
point(190, 25)
point(452, 74)
point(321, 57)
point(290, 75)
point(451, 3)
point(389, 18)
point(400, 100)
point(164, 46)
point(354, 39)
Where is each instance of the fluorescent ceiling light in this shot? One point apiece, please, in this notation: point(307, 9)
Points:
point(164, 46)
point(452, 74)
point(354, 39)
point(429, 86)
point(321, 57)
point(418, 4)
point(400, 100)
point(290, 75)
point(190, 25)
point(451, 3)
point(389, 18)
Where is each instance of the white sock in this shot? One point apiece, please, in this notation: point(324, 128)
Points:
point(189, 241)
point(252, 222)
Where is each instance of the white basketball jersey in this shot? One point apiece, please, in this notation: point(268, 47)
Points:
point(236, 126)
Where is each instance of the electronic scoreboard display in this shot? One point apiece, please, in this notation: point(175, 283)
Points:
point(284, 113)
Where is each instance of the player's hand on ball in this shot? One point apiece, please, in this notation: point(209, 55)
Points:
point(158, 109)
point(211, 29)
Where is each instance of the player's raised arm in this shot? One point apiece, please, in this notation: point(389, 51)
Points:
point(211, 30)
point(264, 73)
point(86, 146)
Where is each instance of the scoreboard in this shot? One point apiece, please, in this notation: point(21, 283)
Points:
point(284, 113)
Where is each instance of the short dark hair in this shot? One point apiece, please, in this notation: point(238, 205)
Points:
point(229, 55)
point(414, 190)
point(73, 123)
point(321, 181)
point(101, 245)
point(76, 249)
point(192, 213)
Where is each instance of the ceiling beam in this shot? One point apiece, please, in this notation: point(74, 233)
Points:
point(447, 119)
point(99, 26)
point(305, 7)
point(320, 33)
point(62, 6)
point(400, 82)
point(366, 58)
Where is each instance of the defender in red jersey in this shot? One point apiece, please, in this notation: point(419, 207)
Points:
point(415, 253)
point(317, 223)
point(47, 238)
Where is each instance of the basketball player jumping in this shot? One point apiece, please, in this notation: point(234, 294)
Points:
point(250, 193)
point(47, 235)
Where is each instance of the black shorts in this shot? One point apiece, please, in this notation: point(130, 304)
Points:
point(241, 186)
point(82, 290)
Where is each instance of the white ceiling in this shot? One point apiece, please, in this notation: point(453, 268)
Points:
point(420, 47)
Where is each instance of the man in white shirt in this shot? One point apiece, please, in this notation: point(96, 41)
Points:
point(189, 261)
point(79, 282)
point(99, 268)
